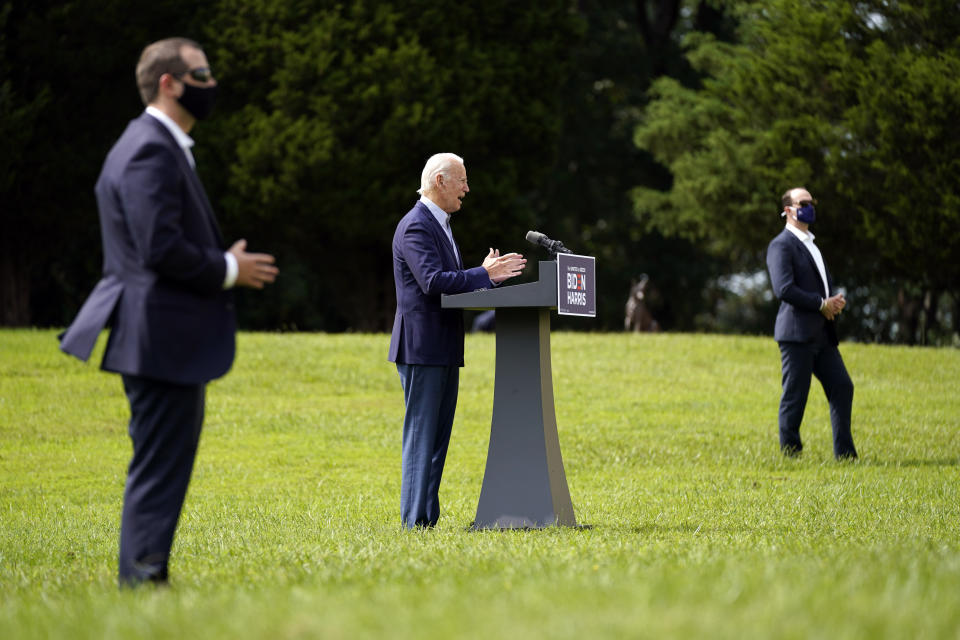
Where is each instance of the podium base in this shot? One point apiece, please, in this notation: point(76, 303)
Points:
point(524, 484)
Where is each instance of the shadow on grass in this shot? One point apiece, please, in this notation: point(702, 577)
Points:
point(810, 464)
point(473, 528)
point(913, 462)
point(653, 528)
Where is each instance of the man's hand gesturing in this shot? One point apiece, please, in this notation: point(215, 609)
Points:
point(253, 269)
point(501, 268)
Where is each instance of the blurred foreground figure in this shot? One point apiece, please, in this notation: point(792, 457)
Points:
point(486, 321)
point(806, 328)
point(165, 293)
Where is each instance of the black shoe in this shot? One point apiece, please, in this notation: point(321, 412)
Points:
point(145, 574)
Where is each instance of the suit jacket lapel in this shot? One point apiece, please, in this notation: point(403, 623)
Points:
point(813, 263)
point(193, 181)
point(201, 194)
point(441, 236)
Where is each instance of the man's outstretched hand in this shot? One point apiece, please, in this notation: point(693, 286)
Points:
point(253, 269)
point(503, 267)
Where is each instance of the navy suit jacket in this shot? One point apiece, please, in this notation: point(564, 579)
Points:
point(425, 266)
point(163, 267)
point(797, 283)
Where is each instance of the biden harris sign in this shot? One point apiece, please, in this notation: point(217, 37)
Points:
point(576, 285)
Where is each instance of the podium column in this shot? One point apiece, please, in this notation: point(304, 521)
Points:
point(524, 484)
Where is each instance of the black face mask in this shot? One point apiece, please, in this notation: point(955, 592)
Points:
point(198, 101)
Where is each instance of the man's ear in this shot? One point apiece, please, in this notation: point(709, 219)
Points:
point(165, 83)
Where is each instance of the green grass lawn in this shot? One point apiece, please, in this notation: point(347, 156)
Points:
point(291, 528)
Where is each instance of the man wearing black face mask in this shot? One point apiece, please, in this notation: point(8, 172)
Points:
point(165, 293)
point(806, 328)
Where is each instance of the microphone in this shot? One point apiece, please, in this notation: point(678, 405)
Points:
point(553, 246)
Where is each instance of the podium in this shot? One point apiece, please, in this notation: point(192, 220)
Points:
point(524, 484)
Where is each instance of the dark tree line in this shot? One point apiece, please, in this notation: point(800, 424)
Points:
point(856, 100)
point(327, 112)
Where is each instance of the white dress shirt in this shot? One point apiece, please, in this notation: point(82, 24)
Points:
point(185, 142)
point(178, 134)
point(444, 219)
point(807, 239)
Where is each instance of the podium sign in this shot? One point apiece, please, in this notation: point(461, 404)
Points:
point(576, 285)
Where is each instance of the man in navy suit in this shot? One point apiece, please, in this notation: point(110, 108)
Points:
point(165, 292)
point(427, 340)
point(806, 328)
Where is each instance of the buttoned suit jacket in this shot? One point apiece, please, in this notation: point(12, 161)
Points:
point(163, 267)
point(424, 267)
point(797, 284)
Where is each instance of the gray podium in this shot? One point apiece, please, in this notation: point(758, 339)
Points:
point(524, 484)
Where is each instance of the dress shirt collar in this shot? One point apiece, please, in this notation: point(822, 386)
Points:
point(807, 239)
point(183, 140)
point(802, 235)
point(442, 216)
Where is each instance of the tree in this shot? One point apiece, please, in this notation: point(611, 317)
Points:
point(585, 200)
point(18, 117)
point(66, 92)
point(853, 100)
point(900, 160)
point(332, 110)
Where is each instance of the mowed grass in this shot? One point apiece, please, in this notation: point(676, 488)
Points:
point(699, 528)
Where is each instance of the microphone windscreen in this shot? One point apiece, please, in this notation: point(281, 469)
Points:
point(534, 237)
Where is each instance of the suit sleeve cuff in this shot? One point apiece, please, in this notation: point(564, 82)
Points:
point(230, 278)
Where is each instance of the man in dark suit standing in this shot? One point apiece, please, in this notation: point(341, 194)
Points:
point(806, 328)
point(427, 340)
point(165, 292)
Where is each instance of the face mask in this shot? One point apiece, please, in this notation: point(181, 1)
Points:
point(198, 101)
point(806, 213)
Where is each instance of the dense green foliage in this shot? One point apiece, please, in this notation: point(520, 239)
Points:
point(327, 111)
point(338, 108)
point(326, 114)
point(291, 528)
point(857, 101)
point(67, 90)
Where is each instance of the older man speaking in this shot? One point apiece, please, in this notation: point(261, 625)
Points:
point(427, 340)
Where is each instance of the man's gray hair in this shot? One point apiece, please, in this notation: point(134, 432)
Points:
point(438, 164)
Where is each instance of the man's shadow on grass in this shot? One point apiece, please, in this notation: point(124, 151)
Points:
point(914, 462)
point(797, 465)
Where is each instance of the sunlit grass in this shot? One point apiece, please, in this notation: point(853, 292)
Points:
point(698, 526)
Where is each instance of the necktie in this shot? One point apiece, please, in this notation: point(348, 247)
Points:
point(453, 244)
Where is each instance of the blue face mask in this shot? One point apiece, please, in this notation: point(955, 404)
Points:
point(806, 213)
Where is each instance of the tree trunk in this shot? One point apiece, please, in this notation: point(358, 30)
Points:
point(910, 306)
point(14, 288)
point(930, 301)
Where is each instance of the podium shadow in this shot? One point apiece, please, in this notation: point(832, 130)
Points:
point(577, 527)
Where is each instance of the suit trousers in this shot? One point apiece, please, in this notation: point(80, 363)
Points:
point(430, 396)
point(165, 422)
point(820, 358)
